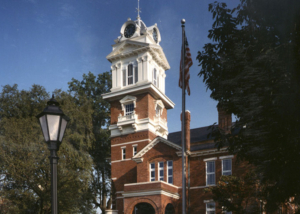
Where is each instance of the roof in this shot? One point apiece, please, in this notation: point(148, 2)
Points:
point(197, 135)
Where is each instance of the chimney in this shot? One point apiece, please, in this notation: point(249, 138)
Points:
point(225, 120)
point(187, 129)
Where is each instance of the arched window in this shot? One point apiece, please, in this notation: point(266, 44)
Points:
point(130, 75)
point(169, 209)
point(143, 208)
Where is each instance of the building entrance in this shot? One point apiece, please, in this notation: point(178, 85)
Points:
point(143, 208)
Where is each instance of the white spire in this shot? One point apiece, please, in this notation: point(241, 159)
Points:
point(138, 10)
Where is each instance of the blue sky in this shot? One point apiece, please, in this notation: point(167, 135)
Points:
point(50, 42)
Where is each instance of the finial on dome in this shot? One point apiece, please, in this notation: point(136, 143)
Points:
point(138, 10)
point(129, 19)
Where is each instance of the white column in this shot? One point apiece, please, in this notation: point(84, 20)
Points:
point(163, 82)
point(114, 76)
point(140, 69)
point(119, 75)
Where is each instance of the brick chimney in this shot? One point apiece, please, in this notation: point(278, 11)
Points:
point(225, 120)
point(187, 129)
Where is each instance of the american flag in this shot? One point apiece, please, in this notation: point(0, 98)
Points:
point(187, 64)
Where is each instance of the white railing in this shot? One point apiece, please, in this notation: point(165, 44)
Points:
point(126, 117)
point(159, 120)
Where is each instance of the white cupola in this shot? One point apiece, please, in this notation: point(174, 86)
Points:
point(137, 59)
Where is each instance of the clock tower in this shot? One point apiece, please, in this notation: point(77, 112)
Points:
point(138, 101)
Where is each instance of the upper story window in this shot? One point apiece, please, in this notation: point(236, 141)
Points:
point(123, 153)
point(129, 108)
point(210, 173)
point(134, 148)
point(152, 171)
point(170, 172)
point(226, 167)
point(210, 208)
point(130, 74)
point(160, 171)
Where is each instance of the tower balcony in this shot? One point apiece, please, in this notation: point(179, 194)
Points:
point(130, 119)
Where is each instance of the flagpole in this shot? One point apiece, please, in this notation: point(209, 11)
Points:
point(183, 119)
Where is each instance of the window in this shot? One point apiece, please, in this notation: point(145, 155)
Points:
point(152, 171)
point(170, 171)
point(129, 108)
point(123, 153)
point(130, 74)
point(136, 74)
point(154, 77)
point(161, 171)
point(226, 167)
point(210, 173)
point(158, 110)
point(134, 150)
point(210, 208)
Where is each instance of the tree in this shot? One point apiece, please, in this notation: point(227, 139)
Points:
point(252, 69)
point(24, 163)
point(92, 87)
point(239, 195)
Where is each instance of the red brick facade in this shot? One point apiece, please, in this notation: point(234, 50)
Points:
point(131, 177)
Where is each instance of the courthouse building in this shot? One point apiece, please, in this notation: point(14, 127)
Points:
point(146, 164)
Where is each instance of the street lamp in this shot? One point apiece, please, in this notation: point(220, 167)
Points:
point(53, 123)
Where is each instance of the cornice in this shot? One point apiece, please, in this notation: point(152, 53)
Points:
point(140, 89)
point(139, 156)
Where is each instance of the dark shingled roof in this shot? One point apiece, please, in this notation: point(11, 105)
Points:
point(197, 135)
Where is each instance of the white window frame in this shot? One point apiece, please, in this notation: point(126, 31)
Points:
point(127, 111)
point(210, 173)
point(160, 169)
point(125, 74)
point(134, 150)
point(123, 153)
point(210, 210)
point(152, 170)
point(226, 171)
point(168, 175)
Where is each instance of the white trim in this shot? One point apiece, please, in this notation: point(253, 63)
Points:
point(121, 197)
point(208, 152)
point(137, 141)
point(172, 176)
point(123, 147)
point(121, 160)
point(210, 159)
point(120, 192)
point(210, 172)
point(141, 153)
point(160, 169)
point(136, 144)
point(151, 170)
point(114, 179)
point(226, 157)
point(230, 159)
point(148, 86)
point(153, 182)
point(208, 201)
point(153, 192)
point(201, 187)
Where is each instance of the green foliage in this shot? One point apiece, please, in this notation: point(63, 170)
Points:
point(25, 169)
point(237, 194)
point(252, 69)
point(91, 88)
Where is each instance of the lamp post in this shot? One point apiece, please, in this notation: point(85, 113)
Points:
point(53, 123)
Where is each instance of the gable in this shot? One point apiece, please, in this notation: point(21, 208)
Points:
point(139, 156)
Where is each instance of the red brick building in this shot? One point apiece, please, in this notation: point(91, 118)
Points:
point(146, 164)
